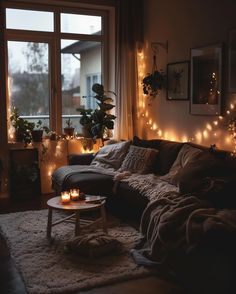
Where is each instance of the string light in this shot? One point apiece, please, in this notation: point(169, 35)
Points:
point(210, 128)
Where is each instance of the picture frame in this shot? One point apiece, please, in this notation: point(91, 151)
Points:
point(206, 80)
point(232, 61)
point(178, 81)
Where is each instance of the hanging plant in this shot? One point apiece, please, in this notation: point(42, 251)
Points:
point(155, 81)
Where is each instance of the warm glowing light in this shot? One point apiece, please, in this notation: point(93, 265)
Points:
point(232, 106)
point(209, 127)
point(199, 136)
point(74, 194)
point(154, 126)
point(205, 134)
point(65, 197)
point(215, 122)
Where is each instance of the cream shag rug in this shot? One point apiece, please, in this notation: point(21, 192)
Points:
point(47, 268)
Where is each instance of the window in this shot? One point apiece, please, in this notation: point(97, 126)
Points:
point(20, 19)
point(29, 81)
point(79, 59)
point(54, 57)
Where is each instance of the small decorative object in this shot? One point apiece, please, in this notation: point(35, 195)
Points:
point(153, 82)
point(69, 129)
point(232, 61)
point(206, 80)
point(98, 122)
point(178, 81)
point(74, 194)
point(65, 197)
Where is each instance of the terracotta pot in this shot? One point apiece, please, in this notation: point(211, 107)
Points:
point(37, 135)
point(69, 131)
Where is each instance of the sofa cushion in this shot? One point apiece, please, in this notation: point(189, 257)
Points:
point(168, 152)
point(187, 154)
point(139, 160)
point(111, 155)
point(205, 165)
point(80, 159)
point(89, 183)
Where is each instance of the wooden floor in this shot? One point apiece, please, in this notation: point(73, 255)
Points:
point(160, 284)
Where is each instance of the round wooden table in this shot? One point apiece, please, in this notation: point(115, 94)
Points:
point(76, 207)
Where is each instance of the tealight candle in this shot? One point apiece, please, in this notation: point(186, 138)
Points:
point(65, 197)
point(74, 194)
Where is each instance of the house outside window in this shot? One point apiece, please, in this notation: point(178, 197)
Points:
point(54, 56)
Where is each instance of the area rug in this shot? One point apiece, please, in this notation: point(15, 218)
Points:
point(46, 267)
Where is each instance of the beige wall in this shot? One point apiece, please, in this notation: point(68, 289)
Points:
point(185, 24)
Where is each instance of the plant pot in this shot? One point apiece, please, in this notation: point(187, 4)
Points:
point(37, 135)
point(69, 131)
point(86, 133)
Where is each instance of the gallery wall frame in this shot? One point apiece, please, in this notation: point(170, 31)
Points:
point(232, 60)
point(206, 80)
point(178, 81)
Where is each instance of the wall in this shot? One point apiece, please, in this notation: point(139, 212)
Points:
point(185, 24)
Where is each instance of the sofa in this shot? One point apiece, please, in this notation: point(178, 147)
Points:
point(182, 197)
point(130, 202)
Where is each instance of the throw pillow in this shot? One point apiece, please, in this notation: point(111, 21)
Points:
point(186, 154)
point(139, 160)
point(168, 152)
point(205, 165)
point(93, 245)
point(111, 155)
point(218, 190)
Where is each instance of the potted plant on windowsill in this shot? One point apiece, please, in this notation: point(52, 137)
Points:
point(22, 127)
point(69, 129)
point(98, 122)
point(37, 132)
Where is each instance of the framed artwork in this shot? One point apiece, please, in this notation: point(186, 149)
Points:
point(178, 81)
point(232, 61)
point(206, 80)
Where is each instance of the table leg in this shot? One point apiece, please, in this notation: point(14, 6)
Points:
point(77, 223)
point(104, 221)
point(49, 225)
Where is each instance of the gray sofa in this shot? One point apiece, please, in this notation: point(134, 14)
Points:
point(129, 202)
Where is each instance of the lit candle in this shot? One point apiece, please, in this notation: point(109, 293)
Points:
point(65, 197)
point(74, 194)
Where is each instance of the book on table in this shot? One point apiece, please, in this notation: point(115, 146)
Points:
point(94, 199)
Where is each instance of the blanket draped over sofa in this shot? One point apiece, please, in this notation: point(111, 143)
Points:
point(178, 223)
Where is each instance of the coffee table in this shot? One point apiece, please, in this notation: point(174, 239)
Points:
point(76, 207)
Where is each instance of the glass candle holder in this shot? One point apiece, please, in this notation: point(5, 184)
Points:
point(65, 197)
point(74, 194)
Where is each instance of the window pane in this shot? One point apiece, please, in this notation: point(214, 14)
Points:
point(81, 68)
point(81, 24)
point(20, 19)
point(28, 75)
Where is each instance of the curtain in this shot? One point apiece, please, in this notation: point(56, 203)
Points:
point(129, 39)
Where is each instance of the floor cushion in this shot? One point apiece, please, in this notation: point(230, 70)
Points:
point(93, 245)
